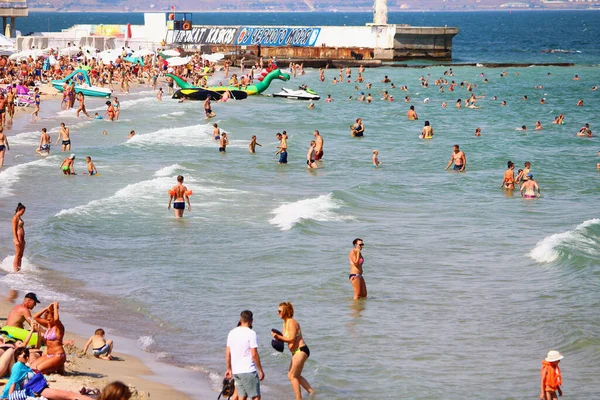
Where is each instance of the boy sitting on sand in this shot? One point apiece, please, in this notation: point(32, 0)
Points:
point(100, 346)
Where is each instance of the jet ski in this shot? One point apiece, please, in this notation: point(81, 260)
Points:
point(303, 93)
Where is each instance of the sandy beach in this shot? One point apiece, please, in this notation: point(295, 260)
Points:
point(84, 370)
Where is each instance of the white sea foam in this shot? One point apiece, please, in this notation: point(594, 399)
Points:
point(190, 136)
point(143, 197)
point(216, 381)
point(134, 102)
point(28, 280)
point(145, 342)
point(172, 114)
point(318, 209)
point(170, 170)
point(26, 266)
point(548, 249)
point(11, 175)
point(135, 195)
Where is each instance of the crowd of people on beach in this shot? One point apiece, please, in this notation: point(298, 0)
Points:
point(28, 356)
point(242, 359)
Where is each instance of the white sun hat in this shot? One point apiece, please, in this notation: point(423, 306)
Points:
point(554, 355)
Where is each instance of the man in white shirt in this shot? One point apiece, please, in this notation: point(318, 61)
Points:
point(241, 357)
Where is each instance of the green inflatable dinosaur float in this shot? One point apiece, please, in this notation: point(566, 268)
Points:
point(250, 89)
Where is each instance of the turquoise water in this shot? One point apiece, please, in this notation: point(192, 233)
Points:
point(469, 285)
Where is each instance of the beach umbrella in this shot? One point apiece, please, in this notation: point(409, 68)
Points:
point(70, 51)
point(7, 31)
point(171, 53)
point(5, 42)
point(176, 61)
point(142, 53)
point(6, 52)
point(213, 57)
point(89, 50)
point(108, 56)
point(134, 60)
point(128, 31)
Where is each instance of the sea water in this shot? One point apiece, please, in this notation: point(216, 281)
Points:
point(469, 285)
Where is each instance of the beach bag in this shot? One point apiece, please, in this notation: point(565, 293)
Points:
point(36, 384)
point(228, 388)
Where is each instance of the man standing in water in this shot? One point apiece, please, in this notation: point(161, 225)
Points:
point(412, 114)
point(45, 141)
point(318, 146)
point(65, 136)
point(207, 109)
point(530, 187)
point(180, 194)
point(282, 148)
point(242, 359)
point(459, 159)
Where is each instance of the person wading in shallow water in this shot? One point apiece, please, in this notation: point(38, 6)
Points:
point(356, 270)
point(179, 194)
point(18, 236)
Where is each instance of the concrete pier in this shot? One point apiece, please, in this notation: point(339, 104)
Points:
point(371, 42)
point(9, 11)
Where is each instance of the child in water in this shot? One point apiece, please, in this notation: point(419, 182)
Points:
point(551, 379)
point(90, 166)
point(376, 162)
point(253, 144)
point(100, 346)
point(67, 165)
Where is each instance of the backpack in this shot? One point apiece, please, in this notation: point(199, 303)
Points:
point(228, 388)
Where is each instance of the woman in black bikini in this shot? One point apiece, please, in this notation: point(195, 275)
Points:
point(292, 335)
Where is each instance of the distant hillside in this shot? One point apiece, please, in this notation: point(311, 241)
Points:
point(302, 5)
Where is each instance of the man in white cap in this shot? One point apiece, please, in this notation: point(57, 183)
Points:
point(22, 312)
point(551, 379)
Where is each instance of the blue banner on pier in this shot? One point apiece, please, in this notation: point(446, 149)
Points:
point(278, 36)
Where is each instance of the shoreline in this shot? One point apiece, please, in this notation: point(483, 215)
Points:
point(137, 367)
